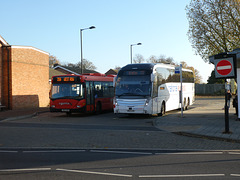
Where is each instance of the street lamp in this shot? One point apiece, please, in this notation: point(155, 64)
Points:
point(91, 27)
point(131, 49)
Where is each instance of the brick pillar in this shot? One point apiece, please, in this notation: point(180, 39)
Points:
point(6, 77)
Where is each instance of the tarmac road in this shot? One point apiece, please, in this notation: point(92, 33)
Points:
point(55, 130)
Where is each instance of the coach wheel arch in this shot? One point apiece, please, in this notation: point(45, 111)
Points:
point(163, 109)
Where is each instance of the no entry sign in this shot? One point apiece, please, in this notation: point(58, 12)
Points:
point(224, 68)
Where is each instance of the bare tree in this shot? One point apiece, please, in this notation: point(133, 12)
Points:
point(117, 68)
point(138, 58)
point(161, 59)
point(197, 76)
point(87, 65)
point(214, 26)
point(153, 59)
point(53, 60)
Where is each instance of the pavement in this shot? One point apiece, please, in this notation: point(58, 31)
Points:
point(8, 115)
point(204, 119)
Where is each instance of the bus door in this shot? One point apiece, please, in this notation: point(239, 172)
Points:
point(155, 96)
point(90, 98)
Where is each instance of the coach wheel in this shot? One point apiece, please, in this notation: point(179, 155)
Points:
point(163, 109)
point(185, 105)
point(98, 108)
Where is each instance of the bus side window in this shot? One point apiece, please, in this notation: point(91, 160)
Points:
point(98, 89)
point(105, 89)
point(111, 88)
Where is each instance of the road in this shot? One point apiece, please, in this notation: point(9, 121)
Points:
point(105, 146)
point(118, 164)
point(56, 130)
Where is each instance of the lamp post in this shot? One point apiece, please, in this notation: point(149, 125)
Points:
point(131, 49)
point(91, 27)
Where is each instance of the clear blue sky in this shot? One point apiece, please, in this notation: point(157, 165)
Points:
point(53, 26)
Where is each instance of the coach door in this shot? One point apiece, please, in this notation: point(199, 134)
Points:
point(155, 95)
point(90, 98)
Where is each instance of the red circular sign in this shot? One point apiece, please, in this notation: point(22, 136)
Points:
point(224, 67)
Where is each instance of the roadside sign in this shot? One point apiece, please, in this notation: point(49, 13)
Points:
point(224, 68)
point(177, 70)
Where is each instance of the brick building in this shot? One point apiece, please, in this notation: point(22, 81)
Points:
point(24, 76)
point(112, 71)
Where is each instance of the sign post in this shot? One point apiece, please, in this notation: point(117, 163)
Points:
point(225, 68)
point(178, 70)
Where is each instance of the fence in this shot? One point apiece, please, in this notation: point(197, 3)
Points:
point(210, 89)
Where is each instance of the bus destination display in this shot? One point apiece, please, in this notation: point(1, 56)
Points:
point(66, 79)
point(134, 73)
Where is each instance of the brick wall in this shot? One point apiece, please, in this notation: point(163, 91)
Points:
point(30, 77)
point(6, 94)
point(1, 85)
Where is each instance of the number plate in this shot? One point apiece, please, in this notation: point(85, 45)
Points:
point(130, 110)
point(65, 110)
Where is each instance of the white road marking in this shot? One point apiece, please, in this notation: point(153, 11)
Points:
point(5, 151)
point(183, 175)
point(234, 174)
point(54, 151)
point(29, 169)
point(91, 172)
point(191, 153)
point(233, 152)
point(121, 152)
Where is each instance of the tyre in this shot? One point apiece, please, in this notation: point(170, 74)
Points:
point(163, 110)
point(98, 108)
point(185, 104)
point(68, 114)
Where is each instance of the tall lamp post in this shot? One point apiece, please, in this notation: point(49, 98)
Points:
point(91, 27)
point(131, 49)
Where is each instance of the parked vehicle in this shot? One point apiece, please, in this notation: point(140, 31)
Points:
point(84, 93)
point(152, 89)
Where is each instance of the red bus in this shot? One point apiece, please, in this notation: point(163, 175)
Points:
point(84, 93)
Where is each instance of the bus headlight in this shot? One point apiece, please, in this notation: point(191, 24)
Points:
point(115, 103)
point(146, 103)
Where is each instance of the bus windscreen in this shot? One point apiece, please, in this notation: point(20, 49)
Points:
point(136, 85)
point(75, 91)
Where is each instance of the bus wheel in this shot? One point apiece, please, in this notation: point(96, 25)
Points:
point(163, 109)
point(68, 114)
point(98, 108)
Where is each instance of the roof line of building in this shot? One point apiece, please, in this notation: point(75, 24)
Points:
point(30, 47)
point(58, 66)
point(3, 41)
